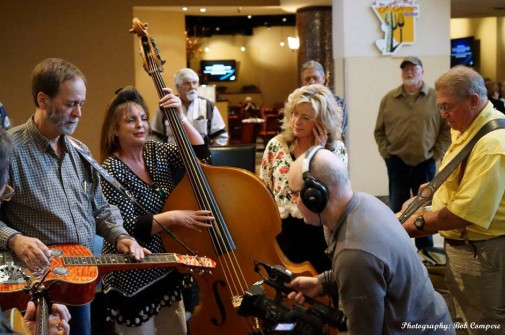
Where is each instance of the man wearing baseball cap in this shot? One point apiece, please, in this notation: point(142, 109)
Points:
point(411, 136)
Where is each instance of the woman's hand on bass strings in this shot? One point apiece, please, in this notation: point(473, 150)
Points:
point(170, 100)
point(194, 220)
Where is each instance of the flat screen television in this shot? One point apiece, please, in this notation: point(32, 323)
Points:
point(463, 51)
point(219, 70)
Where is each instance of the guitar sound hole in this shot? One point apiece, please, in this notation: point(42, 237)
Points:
point(60, 271)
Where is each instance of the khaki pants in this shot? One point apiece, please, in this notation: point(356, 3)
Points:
point(170, 320)
point(477, 285)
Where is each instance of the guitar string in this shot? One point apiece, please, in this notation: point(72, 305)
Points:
point(193, 170)
point(204, 198)
point(204, 202)
point(448, 169)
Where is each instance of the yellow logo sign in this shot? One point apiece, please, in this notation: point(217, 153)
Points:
point(398, 22)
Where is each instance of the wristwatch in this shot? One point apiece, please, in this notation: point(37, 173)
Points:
point(419, 222)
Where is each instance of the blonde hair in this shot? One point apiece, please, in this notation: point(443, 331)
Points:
point(327, 113)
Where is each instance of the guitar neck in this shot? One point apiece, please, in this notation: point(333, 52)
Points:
point(124, 262)
point(42, 316)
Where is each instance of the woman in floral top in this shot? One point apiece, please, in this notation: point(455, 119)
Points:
point(311, 117)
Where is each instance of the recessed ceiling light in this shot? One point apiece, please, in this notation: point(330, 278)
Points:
point(203, 10)
point(249, 16)
point(284, 19)
point(184, 9)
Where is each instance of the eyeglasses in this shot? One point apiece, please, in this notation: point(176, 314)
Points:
point(7, 194)
point(292, 194)
point(445, 108)
point(303, 117)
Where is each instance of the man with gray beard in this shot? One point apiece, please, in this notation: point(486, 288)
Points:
point(57, 195)
point(201, 113)
point(411, 136)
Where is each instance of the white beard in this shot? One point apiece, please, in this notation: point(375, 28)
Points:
point(191, 95)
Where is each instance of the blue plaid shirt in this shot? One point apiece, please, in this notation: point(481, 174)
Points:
point(57, 199)
point(5, 123)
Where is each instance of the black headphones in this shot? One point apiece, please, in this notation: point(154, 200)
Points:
point(314, 194)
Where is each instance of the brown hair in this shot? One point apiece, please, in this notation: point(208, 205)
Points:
point(48, 75)
point(115, 111)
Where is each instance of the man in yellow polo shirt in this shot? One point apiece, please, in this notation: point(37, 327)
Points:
point(469, 208)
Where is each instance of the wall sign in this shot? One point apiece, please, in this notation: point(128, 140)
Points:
point(398, 22)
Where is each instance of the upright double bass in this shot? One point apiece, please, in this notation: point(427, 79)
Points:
point(246, 222)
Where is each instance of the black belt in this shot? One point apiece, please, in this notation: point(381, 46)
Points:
point(462, 242)
point(452, 242)
point(455, 242)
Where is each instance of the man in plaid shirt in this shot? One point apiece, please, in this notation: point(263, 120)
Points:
point(58, 198)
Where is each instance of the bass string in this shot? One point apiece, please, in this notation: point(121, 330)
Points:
point(221, 240)
point(232, 270)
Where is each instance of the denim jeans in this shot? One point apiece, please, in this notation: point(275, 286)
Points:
point(80, 321)
point(404, 182)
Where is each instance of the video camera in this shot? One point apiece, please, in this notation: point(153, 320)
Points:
point(277, 317)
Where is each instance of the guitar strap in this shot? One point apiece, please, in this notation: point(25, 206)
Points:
point(427, 193)
point(101, 171)
point(110, 179)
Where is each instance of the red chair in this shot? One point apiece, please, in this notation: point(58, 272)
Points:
point(235, 129)
point(247, 133)
point(269, 129)
point(267, 111)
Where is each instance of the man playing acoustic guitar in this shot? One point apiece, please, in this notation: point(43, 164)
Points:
point(469, 207)
point(58, 320)
point(58, 198)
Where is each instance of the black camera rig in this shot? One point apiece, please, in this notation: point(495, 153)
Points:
point(277, 317)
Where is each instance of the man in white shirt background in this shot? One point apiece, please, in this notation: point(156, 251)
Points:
point(201, 113)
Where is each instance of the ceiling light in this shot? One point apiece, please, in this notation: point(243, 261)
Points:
point(207, 49)
point(203, 10)
point(293, 43)
point(249, 17)
point(282, 43)
point(284, 19)
point(242, 48)
point(184, 9)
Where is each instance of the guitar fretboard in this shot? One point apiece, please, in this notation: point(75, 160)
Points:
point(119, 259)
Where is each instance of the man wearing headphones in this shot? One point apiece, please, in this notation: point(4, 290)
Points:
point(383, 286)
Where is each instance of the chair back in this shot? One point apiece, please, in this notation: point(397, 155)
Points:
point(253, 113)
point(240, 156)
point(235, 129)
point(271, 124)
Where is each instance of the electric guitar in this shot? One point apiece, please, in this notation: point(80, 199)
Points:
point(74, 272)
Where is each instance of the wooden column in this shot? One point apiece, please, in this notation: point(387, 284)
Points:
point(314, 25)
